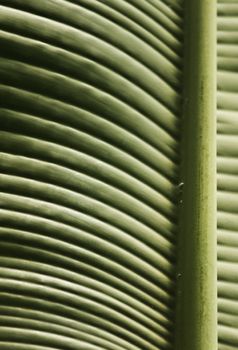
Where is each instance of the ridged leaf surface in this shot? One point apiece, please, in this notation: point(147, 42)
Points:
point(90, 124)
point(227, 175)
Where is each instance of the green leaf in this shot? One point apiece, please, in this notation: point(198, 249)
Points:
point(108, 175)
point(91, 96)
point(227, 161)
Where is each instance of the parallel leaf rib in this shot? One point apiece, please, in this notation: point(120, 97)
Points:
point(227, 141)
point(90, 130)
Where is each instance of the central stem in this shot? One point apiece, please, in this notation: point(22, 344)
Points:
point(197, 277)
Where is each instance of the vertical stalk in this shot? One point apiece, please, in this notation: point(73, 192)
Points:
point(197, 277)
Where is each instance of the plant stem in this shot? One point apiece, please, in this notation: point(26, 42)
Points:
point(197, 285)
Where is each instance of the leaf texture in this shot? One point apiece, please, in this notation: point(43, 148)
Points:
point(227, 175)
point(90, 124)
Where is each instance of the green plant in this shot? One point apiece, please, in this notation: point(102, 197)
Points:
point(108, 174)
